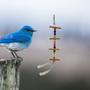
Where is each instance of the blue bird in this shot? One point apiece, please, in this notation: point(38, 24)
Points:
point(18, 40)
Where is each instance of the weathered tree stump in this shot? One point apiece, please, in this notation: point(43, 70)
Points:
point(9, 74)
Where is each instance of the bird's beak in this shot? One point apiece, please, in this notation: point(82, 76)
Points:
point(34, 30)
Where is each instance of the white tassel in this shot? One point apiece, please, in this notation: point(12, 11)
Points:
point(44, 73)
point(47, 71)
point(43, 65)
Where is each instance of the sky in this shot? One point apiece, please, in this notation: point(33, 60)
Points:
point(74, 18)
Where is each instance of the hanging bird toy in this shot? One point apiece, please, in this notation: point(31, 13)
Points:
point(53, 59)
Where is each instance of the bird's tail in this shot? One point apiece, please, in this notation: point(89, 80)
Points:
point(0, 41)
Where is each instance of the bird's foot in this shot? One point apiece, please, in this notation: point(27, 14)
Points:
point(17, 58)
point(20, 58)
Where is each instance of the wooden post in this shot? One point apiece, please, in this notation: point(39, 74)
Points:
point(9, 74)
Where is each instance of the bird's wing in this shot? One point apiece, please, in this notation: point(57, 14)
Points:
point(15, 37)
